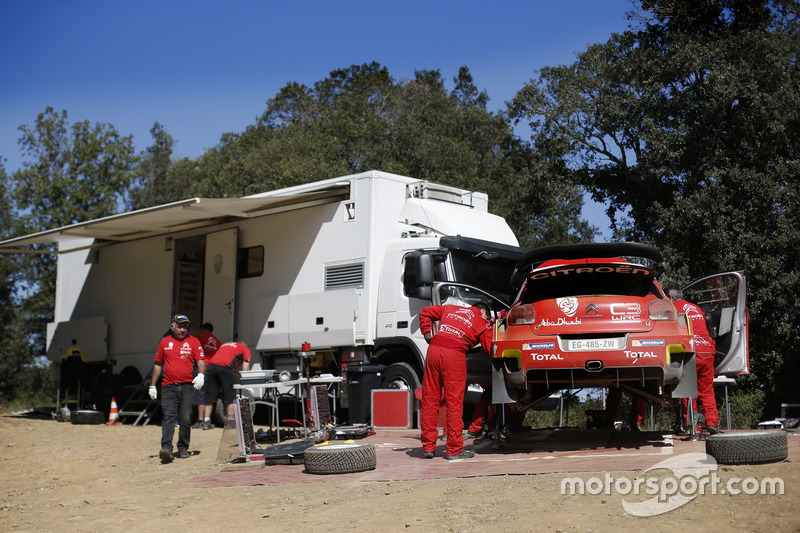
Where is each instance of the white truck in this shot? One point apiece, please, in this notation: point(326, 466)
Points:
point(343, 264)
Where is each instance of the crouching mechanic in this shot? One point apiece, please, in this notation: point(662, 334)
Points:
point(460, 328)
point(175, 357)
point(221, 378)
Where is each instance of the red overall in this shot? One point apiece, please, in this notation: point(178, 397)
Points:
point(705, 348)
point(460, 328)
point(638, 407)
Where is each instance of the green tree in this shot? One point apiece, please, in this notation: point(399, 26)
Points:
point(689, 129)
point(360, 118)
point(19, 377)
point(149, 189)
point(70, 174)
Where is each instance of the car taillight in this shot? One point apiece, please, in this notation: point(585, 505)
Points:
point(659, 309)
point(521, 315)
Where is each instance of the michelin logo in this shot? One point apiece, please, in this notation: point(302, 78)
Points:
point(539, 346)
point(647, 342)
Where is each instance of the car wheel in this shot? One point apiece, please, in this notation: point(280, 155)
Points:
point(339, 458)
point(748, 447)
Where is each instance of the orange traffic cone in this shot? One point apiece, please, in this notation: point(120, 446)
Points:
point(113, 415)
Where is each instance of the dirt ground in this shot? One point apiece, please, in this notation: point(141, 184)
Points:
point(57, 476)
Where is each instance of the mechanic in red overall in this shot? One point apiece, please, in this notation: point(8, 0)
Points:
point(221, 378)
point(210, 345)
point(460, 328)
point(705, 348)
point(176, 355)
point(638, 408)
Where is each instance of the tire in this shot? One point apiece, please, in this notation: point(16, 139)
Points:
point(88, 417)
point(400, 376)
point(339, 458)
point(218, 414)
point(748, 447)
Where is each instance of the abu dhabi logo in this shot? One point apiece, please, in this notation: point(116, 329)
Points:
point(568, 306)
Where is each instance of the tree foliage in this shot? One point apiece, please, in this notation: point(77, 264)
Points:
point(360, 118)
point(149, 187)
point(689, 129)
point(70, 174)
point(18, 373)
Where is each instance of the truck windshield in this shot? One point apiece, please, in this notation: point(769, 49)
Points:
point(490, 272)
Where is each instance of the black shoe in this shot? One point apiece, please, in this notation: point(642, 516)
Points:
point(207, 424)
point(428, 455)
point(465, 454)
point(198, 424)
point(713, 430)
point(183, 454)
point(165, 455)
point(471, 435)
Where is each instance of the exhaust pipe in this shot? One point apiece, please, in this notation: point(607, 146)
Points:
point(594, 365)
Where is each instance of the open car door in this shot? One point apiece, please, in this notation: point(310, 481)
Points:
point(723, 298)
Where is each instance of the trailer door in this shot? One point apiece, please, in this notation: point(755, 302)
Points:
point(219, 286)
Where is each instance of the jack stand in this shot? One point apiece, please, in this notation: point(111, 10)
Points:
point(500, 424)
point(308, 418)
point(690, 420)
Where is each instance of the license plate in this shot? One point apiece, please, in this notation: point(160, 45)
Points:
point(590, 345)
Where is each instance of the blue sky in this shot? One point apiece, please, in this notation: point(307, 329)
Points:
point(202, 68)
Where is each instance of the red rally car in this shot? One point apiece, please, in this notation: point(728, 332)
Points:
point(586, 317)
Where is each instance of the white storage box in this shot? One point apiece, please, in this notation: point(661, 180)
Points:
point(255, 377)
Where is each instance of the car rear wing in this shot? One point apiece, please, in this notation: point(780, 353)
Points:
point(537, 256)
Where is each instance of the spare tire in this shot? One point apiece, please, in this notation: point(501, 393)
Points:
point(87, 416)
point(339, 458)
point(752, 447)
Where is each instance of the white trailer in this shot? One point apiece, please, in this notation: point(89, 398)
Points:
point(343, 264)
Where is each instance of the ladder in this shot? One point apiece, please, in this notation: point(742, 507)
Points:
point(139, 405)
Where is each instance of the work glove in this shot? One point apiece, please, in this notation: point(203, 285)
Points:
point(153, 392)
point(198, 381)
point(428, 338)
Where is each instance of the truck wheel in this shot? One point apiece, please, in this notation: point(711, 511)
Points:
point(339, 458)
point(748, 447)
point(400, 376)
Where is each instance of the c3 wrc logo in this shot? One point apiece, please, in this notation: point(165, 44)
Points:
point(625, 311)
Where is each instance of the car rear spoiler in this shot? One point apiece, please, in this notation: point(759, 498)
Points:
point(538, 256)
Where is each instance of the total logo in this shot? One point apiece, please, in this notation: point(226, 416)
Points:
point(637, 355)
point(547, 356)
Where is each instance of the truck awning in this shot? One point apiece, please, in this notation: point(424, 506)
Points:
point(174, 217)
